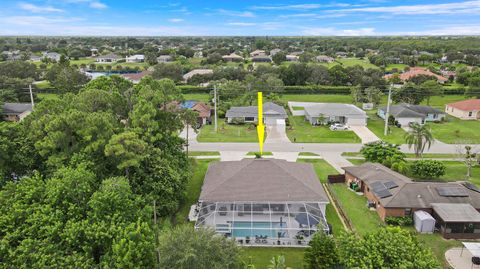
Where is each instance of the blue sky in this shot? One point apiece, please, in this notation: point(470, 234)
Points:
point(204, 17)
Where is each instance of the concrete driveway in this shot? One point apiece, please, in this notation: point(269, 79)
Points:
point(364, 133)
point(276, 134)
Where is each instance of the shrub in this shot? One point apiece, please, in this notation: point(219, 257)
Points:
point(382, 152)
point(425, 169)
point(399, 221)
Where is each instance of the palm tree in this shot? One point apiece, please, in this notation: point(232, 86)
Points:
point(419, 136)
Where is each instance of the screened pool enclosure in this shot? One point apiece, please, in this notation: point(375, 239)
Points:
point(263, 223)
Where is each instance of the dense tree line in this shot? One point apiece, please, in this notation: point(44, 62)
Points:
point(81, 173)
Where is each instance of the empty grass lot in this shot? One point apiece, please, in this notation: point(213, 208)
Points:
point(261, 256)
point(302, 131)
point(228, 133)
point(457, 131)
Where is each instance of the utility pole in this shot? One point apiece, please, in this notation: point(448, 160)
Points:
point(31, 94)
point(387, 114)
point(215, 103)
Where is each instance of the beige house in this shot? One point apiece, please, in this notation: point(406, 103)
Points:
point(16, 111)
point(464, 110)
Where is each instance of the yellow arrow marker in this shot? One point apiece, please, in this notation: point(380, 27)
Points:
point(260, 126)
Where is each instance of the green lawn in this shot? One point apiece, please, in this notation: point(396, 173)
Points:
point(194, 186)
point(228, 133)
point(322, 168)
point(365, 63)
point(204, 97)
point(357, 161)
point(204, 153)
point(355, 206)
point(457, 131)
point(457, 171)
point(302, 131)
point(321, 98)
point(44, 84)
point(377, 125)
point(265, 153)
point(261, 256)
point(408, 155)
point(308, 154)
point(298, 108)
point(400, 67)
point(47, 96)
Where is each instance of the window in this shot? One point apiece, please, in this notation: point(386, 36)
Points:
point(435, 116)
point(408, 211)
point(470, 113)
point(249, 118)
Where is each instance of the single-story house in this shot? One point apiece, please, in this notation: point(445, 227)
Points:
point(109, 58)
point(395, 195)
point(464, 110)
point(406, 114)
point(341, 54)
point(136, 77)
point(262, 59)
point(194, 72)
point(263, 202)
point(274, 51)
point(232, 58)
point(35, 58)
point(273, 114)
point(292, 58)
point(16, 111)
point(321, 113)
point(257, 53)
point(324, 59)
point(164, 58)
point(204, 111)
point(52, 56)
point(137, 58)
point(416, 71)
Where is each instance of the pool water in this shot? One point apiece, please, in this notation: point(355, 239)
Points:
point(252, 229)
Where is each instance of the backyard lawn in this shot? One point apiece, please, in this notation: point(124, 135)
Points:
point(365, 63)
point(228, 133)
point(321, 167)
point(456, 171)
point(301, 131)
point(377, 126)
point(194, 186)
point(457, 131)
point(321, 98)
point(261, 256)
point(355, 206)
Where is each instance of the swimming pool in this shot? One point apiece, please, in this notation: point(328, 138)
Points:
point(252, 229)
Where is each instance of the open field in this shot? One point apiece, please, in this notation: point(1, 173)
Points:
point(302, 131)
point(457, 131)
point(228, 133)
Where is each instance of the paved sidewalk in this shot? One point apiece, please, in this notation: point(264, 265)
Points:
point(232, 155)
point(288, 156)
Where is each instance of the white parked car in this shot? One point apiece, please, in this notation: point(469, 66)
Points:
point(338, 126)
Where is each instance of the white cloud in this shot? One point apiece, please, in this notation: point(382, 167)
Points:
point(38, 9)
point(176, 20)
point(448, 8)
point(447, 30)
point(330, 31)
point(97, 5)
point(246, 14)
point(241, 23)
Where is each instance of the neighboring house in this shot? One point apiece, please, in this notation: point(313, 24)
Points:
point(16, 111)
point(137, 58)
point(136, 77)
point(324, 59)
point(52, 56)
point(273, 114)
point(109, 58)
point(93, 52)
point(341, 54)
point(194, 72)
point(321, 113)
point(406, 114)
point(35, 58)
point(454, 205)
point(266, 202)
point(416, 71)
point(232, 58)
point(204, 111)
point(465, 110)
point(261, 59)
point(292, 58)
point(274, 51)
point(257, 53)
point(164, 58)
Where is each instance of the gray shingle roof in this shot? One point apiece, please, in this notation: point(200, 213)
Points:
point(410, 194)
point(411, 111)
point(269, 109)
point(456, 212)
point(16, 108)
point(334, 109)
point(262, 180)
